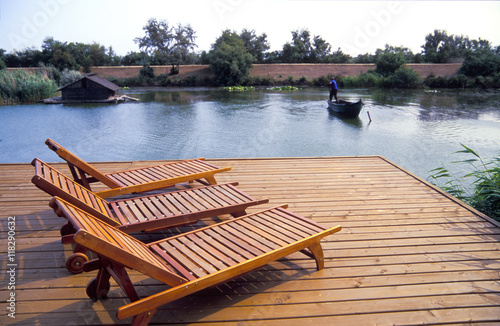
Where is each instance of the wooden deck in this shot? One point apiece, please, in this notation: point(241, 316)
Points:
point(407, 254)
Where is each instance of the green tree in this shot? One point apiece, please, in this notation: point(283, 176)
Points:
point(305, 48)
point(88, 55)
point(257, 46)
point(480, 63)
point(230, 60)
point(300, 49)
point(440, 47)
point(29, 57)
point(390, 59)
point(339, 57)
point(365, 58)
point(113, 58)
point(167, 44)
point(58, 54)
point(133, 59)
point(320, 50)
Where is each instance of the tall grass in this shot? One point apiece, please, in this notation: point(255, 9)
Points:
point(23, 87)
point(479, 188)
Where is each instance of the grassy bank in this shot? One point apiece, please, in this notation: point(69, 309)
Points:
point(24, 87)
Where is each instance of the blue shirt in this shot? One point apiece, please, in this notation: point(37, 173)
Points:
point(333, 84)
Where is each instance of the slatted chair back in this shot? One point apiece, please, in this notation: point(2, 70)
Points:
point(141, 179)
point(115, 245)
point(56, 183)
point(75, 161)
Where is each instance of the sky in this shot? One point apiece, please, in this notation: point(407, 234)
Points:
point(356, 27)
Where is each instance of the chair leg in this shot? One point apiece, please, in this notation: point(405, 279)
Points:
point(80, 249)
point(68, 239)
point(92, 265)
point(67, 229)
point(72, 169)
point(121, 277)
point(239, 214)
point(84, 180)
point(211, 180)
point(143, 319)
point(99, 286)
point(67, 232)
point(317, 252)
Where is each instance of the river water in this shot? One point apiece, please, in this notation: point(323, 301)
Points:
point(413, 128)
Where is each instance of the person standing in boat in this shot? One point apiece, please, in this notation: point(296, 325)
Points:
point(333, 90)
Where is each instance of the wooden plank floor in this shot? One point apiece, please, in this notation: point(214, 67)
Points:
point(407, 254)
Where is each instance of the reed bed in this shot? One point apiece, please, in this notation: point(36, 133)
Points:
point(24, 87)
point(479, 188)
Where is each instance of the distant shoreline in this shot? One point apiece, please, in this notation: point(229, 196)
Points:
point(276, 71)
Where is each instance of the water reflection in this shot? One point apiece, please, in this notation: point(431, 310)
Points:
point(353, 122)
point(414, 128)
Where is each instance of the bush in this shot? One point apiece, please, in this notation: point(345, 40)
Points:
point(435, 82)
point(51, 72)
point(321, 81)
point(147, 72)
point(188, 81)
point(484, 190)
point(403, 77)
point(370, 79)
point(260, 81)
point(302, 80)
point(387, 63)
point(459, 81)
point(348, 82)
point(69, 77)
point(480, 63)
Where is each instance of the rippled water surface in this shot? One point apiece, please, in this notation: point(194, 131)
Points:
point(414, 128)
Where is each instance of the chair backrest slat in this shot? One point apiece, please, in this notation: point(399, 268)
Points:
point(72, 159)
point(115, 245)
point(56, 183)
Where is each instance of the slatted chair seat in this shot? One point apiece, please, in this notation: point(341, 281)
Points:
point(144, 213)
point(138, 180)
point(191, 261)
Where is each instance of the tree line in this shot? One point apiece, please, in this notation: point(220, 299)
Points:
point(233, 53)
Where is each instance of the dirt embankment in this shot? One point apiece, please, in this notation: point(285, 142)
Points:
point(280, 71)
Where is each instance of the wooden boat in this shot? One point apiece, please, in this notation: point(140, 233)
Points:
point(345, 108)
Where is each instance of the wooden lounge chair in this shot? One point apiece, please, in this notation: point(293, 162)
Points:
point(144, 213)
point(192, 261)
point(138, 180)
